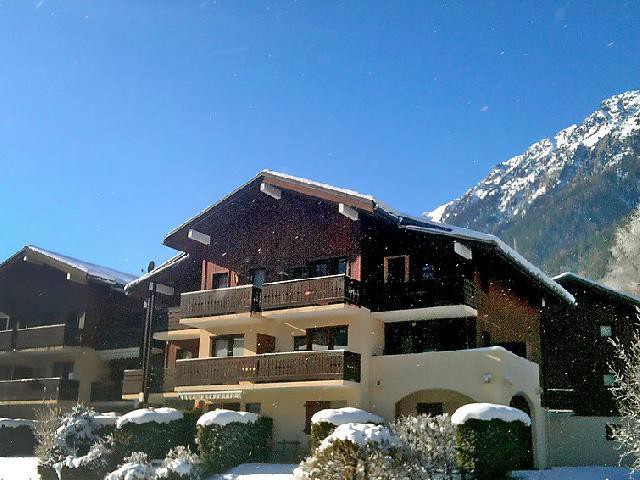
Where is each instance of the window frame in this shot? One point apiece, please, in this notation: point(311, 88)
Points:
point(230, 346)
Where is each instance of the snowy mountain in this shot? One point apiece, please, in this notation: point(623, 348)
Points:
point(562, 199)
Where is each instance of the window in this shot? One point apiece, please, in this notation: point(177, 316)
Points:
point(396, 269)
point(258, 277)
point(427, 272)
point(4, 323)
point(432, 409)
point(183, 354)
point(228, 346)
point(253, 408)
point(606, 331)
point(327, 338)
point(299, 343)
point(484, 278)
point(221, 280)
point(486, 339)
point(5, 372)
point(608, 379)
point(62, 369)
point(609, 430)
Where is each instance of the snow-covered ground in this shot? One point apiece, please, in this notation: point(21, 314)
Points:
point(18, 468)
point(24, 468)
point(258, 471)
point(577, 473)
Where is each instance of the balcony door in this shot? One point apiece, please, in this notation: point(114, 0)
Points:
point(228, 346)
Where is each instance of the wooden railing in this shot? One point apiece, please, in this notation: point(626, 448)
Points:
point(280, 367)
point(310, 291)
point(173, 319)
point(47, 336)
point(39, 389)
point(442, 291)
point(162, 380)
point(220, 301)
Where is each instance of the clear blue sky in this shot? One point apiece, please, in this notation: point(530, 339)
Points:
point(120, 119)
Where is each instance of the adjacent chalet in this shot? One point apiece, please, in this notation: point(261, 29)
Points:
point(290, 296)
point(578, 361)
point(67, 332)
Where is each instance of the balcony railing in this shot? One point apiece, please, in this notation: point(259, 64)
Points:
point(221, 301)
point(39, 389)
point(101, 392)
point(267, 368)
point(162, 380)
point(435, 292)
point(7, 339)
point(310, 291)
point(47, 336)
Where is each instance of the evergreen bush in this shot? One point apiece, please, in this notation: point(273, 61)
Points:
point(489, 449)
point(18, 441)
point(225, 446)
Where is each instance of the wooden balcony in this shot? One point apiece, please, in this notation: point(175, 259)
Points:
point(38, 389)
point(269, 368)
point(310, 291)
point(162, 380)
point(221, 301)
point(47, 336)
point(437, 292)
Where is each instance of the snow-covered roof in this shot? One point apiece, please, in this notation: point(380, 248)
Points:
point(93, 271)
point(222, 417)
point(150, 414)
point(360, 434)
point(172, 262)
point(611, 291)
point(419, 223)
point(488, 411)
point(340, 416)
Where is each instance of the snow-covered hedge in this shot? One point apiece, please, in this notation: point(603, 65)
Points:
point(227, 438)
point(16, 437)
point(325, 421)
point(154, 431)
point(492, 439)
point(180, 464)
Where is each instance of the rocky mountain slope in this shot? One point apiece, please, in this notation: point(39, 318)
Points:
point(564, 197)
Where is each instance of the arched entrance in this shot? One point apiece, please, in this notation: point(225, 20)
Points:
point(433, 401)
point(521, 403)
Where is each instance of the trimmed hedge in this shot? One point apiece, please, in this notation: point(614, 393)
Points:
point(489, 449)
point(155, 439)
point(17, 441)
point(223, 447)
point(320, 431)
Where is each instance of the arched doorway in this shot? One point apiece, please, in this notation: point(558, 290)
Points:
point(433, 401)
point(521, 403)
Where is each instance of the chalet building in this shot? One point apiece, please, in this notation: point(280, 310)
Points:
point(289, 296)
point(67, 332)
point(578, 361)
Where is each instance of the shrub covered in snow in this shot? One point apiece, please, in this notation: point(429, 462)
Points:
point(492, 439)
point(325, 421)
point(94, 465)
point(421, 447)
point(180, 464)
point(429, 442)
point(154, 431)
point(134, 467)
point(356, 451)
point(68, 441)
point(16, 437)
point(226, 439)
